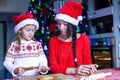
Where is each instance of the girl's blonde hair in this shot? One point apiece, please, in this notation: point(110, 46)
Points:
point(18, 38)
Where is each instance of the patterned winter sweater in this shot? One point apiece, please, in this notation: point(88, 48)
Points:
point(30, 54)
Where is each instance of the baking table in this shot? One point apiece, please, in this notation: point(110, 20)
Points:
point(115, 74)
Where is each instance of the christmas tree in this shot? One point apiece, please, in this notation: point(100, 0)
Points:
point(84, 28)
point(43, 12)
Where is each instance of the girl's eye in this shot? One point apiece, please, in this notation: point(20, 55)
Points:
point(27, 29)
point(33, 30)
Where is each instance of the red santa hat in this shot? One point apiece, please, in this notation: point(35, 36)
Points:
point(70, 12)
point(24, 19)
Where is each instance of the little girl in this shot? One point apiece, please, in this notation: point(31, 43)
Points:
point(25, 56)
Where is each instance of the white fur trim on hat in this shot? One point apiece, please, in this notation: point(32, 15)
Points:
point(80, 18)
point(67, 18)
point(25, 22)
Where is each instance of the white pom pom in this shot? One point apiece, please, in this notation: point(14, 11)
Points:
point(80, 18)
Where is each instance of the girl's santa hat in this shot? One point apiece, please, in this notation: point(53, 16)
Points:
point(71, 13)
point(24, 19)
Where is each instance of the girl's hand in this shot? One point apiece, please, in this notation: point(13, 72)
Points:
point(19, 71)
point(85, 70)
point(43, 69)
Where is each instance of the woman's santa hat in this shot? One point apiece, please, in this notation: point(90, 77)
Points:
point(24, 19)
point(71, 13)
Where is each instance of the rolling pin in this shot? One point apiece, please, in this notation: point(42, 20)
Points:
point(96, 76)
point(30, 68)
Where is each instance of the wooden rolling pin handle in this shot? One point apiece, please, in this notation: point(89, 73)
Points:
point(30, 68)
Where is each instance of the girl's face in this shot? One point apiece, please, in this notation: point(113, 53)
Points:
point(62, 26)
point(27, 32)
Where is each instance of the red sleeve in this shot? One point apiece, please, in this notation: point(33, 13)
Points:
point(86, 50)
point(53, 57)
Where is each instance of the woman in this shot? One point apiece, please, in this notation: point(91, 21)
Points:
point(69, 53)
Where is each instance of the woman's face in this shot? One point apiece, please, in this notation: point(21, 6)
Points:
point(62, 26)
point(27, 32)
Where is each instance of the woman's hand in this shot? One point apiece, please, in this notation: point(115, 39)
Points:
point(85, 70)
point(19, 71)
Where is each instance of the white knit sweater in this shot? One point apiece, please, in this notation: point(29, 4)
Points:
point(31, 54)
